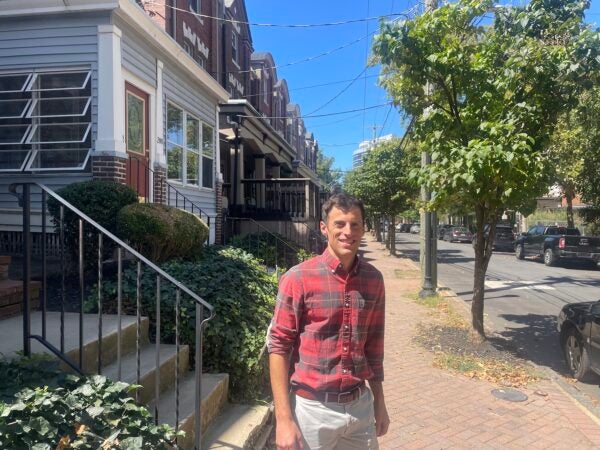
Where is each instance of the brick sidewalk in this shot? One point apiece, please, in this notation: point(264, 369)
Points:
point(434, 409)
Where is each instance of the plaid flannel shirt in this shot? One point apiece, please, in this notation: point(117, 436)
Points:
point(332, 322)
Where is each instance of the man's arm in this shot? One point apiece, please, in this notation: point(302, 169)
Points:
point(287, 433)
point(382, 420)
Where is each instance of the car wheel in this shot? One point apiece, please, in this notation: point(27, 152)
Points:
point(578, 360)
point(519, 251)
point(549, 258)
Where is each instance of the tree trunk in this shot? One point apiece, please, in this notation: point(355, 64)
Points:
point(378, 229)
point(392, 234)
point(569, 194)
point(483, 253)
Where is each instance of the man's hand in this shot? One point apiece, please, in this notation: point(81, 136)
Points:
point(288, 435)
point(382, 420)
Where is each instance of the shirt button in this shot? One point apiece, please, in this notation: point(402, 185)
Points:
point(347, 304)
point(346, 327)
point(345, 349)
point(344, 371)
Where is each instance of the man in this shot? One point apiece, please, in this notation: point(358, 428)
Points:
point(326, 339)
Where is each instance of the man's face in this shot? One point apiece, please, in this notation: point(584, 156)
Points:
point(344, 230)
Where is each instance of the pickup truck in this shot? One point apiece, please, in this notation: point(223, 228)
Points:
point(557, 243)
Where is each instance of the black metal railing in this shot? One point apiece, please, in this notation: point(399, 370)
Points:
point(86, 228)
point(275, 252)
point(164, 191)
point(276, 197)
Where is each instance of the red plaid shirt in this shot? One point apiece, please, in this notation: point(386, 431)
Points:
point(333, 323)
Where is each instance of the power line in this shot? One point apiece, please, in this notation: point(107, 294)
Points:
point(279, 25)
point(339, 93)
point(322, 115)
point(346, 119)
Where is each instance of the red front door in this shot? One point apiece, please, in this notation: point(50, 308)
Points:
point(137, 139)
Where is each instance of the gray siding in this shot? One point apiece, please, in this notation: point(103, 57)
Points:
point(137, 57)
point(56, 42)
point(181, 91)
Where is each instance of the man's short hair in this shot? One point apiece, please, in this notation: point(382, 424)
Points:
point(344, 202)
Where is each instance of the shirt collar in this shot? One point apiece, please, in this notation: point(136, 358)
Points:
point(335, 265)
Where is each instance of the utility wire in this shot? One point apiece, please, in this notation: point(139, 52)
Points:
point(278, 25)
point(339, 93)
point(321, 115)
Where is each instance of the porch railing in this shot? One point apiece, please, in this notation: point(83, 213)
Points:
point(280, 197)
point(87, 228)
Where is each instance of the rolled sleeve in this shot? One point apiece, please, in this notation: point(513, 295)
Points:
point(375, 335)
point(284, 326)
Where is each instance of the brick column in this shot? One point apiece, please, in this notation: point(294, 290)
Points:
point(160, 184)
point(219, 217)
point(110, 168)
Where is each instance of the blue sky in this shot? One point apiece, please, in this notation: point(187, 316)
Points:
point(338, 135)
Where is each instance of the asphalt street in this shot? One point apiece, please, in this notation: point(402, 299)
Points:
point(522, 298)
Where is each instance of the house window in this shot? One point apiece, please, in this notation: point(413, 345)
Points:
point(188, 49)
point(234, 46)
point(45, 120)
point(194, 5)
point(187, 163)
point(136, 123)
point(208, 151)
point(265, 87)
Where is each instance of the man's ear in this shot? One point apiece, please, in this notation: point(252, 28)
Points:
point(323, 227)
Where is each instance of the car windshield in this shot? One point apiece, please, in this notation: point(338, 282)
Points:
point(503, 230)
point(459, 230)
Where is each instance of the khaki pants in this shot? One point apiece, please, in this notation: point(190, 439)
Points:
point(331, 426)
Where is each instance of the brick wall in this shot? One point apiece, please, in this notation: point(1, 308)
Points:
point(160, 184)
point(111, 168)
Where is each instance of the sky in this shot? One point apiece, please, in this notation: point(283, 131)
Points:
point(339, 81)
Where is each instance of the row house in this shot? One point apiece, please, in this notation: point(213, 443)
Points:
point(118, 90)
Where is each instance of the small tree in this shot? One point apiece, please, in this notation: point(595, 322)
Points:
point(496, 92)
point(383, 184)
point(330, 177)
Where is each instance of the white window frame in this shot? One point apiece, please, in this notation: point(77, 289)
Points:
point(23, 138)
point(25, 160)
point(38, 100)
point(25, 83)
point(35, 127)
point(66, 72)
point(34, 154)
point(23, 111)
point(202, 155)
point(185, 149)
point(235, 47)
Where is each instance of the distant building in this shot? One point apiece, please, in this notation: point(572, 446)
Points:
point(359, 154)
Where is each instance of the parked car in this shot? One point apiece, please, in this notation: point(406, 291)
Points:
point(415, 228)
point(504, 239)
point(460, 234)
point(579, 330)
point(442, 230)
point(405, 227)
point(558, 243)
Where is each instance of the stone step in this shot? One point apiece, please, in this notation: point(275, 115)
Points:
point(11, 336)
point(215, 388)
point(168, 355)
point(238, 427)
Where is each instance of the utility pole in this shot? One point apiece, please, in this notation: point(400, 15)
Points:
point(428, 236)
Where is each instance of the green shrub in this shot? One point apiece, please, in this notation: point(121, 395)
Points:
point(243, 295)
point(271, 248)
point(162, 232)
point(43, 408)
point(101, 201)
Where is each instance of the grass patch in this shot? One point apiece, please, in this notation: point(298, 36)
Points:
point(449, 336)
point(495, 370)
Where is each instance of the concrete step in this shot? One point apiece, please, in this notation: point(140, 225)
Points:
point(168, 356)
point(238, 427)
point(215, 388)
point(11, 336)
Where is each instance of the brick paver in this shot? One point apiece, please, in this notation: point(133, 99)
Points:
point(433, 409)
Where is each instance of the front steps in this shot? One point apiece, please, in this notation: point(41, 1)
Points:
point(224, 426)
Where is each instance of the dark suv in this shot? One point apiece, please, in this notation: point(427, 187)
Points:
point(503, 240)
